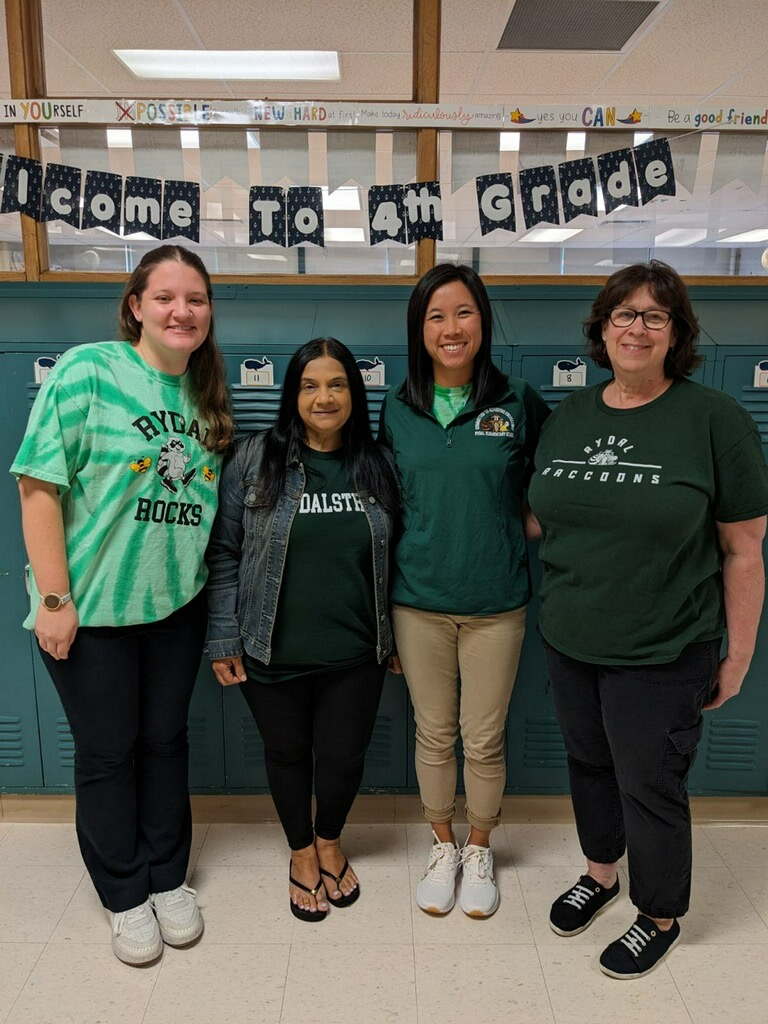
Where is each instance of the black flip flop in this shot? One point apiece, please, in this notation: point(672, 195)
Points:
point(342, 901)
point(306, 915)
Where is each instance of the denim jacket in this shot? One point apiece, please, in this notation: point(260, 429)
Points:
point(246, 556)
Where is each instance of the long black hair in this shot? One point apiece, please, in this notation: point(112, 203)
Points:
point(366, 462)
point(487, 379)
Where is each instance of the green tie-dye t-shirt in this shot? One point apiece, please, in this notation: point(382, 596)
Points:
point(139, 492)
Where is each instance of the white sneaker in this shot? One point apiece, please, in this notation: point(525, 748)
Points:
point(479, 894)
point(136, 937)
point(436, 892)
point(178, 915)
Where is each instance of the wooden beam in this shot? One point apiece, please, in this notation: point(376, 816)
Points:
point(426, 89)
point(24, 24)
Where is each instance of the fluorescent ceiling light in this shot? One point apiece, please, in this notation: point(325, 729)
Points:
point(758, 235)
point(681, 236)
point(344, 235)
point(119, 138)
point(243, 65)
point(344, 198)
point(550, 234)
point(509, 142)
point(266, 256)
point(576, 142)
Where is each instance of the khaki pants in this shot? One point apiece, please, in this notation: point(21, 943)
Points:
point(436, 649)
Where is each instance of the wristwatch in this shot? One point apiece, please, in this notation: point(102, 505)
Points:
point(54, 601)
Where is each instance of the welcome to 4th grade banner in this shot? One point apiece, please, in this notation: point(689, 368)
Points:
point(162, 209)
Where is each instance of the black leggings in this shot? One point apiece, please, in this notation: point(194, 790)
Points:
point(326, 718)
point(126, 692)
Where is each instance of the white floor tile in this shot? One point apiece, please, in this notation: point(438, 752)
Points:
point(83, 984)
point(17, 959)
point(40, 844)
point(754, 882)
point(244, 845)
point(210, 984)
point(542, 885)
point(241, 905)
point(330, 985)
point(720, 912)
point(493, 984)
point(382, 914)
point(382, 845)
point(33, 899)
point(545, 845)
point(722, 984)
point(84, 919)
point(382, 958)
point(740, 846)
point(581, 993)
point(509, 925)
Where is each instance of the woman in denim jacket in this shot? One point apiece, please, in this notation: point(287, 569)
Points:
point(298, 605)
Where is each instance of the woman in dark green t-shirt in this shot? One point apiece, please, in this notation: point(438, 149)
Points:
point(298, 605)
point(651, 492)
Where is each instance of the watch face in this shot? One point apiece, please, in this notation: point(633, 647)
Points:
point(52, 602)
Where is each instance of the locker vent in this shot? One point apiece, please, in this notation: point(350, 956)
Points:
point(733, 745)
point(543, 744)
point(11, 745)
point(553, 396)
point(32, 390)
point(256, 408)
point(755, 401)
point(251, 743)
point(64, 744)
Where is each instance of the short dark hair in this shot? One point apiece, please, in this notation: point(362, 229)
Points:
point(669, 290)
point(368, 465)
point(486, 377)
point(206, 365)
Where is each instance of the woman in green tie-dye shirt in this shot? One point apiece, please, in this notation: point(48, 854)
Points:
point(118, 473)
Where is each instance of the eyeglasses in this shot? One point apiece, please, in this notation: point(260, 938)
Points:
point(654, 319)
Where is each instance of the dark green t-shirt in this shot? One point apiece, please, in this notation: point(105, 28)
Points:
point(326, 611)
point(628, 501)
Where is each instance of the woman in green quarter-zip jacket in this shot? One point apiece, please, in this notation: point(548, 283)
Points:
point(463, 436)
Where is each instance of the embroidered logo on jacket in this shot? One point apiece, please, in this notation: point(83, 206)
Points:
point(494, 423)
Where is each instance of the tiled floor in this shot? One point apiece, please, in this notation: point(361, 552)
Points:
point(381, 961)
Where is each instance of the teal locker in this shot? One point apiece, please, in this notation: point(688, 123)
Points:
point(733, 755)
point(21, 753)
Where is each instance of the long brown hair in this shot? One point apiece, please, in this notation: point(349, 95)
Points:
point(206, 364)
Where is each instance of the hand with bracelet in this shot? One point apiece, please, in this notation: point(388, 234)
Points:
point(56, 624)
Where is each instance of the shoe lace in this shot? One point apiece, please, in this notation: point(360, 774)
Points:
point(442, 860)
point(476, 860)
point(178, 896)
point(136, 916)
point(579, 896)
point(636, 939)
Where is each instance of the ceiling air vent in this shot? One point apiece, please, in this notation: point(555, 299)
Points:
point(593, 25)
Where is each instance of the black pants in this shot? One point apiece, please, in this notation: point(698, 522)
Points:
point(126, 693)
point(631, 735)
point(326, 718)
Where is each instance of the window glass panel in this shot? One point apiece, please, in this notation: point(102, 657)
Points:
point(11, 249)
point(227, 163)
point(714, 225)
